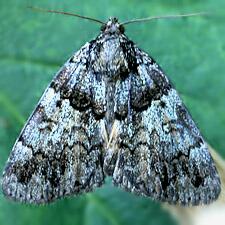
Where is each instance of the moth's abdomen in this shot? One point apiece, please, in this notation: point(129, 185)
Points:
point(122, 95)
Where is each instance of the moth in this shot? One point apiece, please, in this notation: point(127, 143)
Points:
point(111, 111)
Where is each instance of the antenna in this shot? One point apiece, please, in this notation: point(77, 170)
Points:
point(164, 17)
point(65, 13)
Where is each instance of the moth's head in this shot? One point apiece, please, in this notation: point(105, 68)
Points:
point(112, 27)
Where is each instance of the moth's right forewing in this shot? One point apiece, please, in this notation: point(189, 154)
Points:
point(58, 153)
point(160, 152)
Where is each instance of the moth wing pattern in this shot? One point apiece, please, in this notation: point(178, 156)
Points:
point(58, 151)
point(159, 151)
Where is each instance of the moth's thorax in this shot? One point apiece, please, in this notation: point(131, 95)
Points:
point(109, 58)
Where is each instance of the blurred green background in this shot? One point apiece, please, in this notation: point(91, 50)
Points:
point(34, 45)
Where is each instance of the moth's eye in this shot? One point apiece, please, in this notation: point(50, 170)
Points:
point(103, 27)
point(115, 20)
point(121, 29)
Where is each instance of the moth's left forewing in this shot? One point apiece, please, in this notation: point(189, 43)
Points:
point(58, 152)
point(160, 151)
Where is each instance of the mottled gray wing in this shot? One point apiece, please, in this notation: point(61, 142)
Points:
point(59, 150)
point(157, 150)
